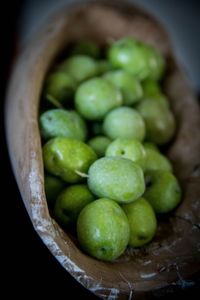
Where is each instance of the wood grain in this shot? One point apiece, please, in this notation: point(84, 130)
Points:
point(172, 261)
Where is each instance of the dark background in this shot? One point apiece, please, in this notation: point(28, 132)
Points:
point(29, 268)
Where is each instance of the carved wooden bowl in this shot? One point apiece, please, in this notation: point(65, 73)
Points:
point(172, 260)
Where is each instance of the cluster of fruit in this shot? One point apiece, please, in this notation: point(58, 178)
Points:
point(102, 129)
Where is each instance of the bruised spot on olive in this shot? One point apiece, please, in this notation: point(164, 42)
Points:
point(49, 118)
point(103, 249)
point(141, 237)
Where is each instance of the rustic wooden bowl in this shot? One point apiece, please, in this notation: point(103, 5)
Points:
point(172, 260)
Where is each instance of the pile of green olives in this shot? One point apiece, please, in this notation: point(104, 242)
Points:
point(104, 119)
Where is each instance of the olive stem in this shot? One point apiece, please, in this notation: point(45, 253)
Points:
point(54, 101)
point(84, 175)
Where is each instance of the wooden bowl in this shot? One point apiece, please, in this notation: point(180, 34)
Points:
point(172, 260)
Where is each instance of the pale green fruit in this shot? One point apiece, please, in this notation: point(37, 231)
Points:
point(67, 158)
point(150, 87)
point(94, 98)
point(156, 161)
point(129, 86)
point(160, 98)
point(124, 122)
point(159, 121)
point(126, 54)
point(59, 88)
point(60, 122)
point(152, 90)
point(99, 144)
point(128, 148)
point(137, 58)
point(53, 186)
point(80, 67)
point(103, 229)
point(155, 62)
point(149, 145)
point(116, 178)
point(142, 222)
point(163, 191)
point(70, 202)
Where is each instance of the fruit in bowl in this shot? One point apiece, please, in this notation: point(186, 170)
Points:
point(127, 169)
point(152, 268)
